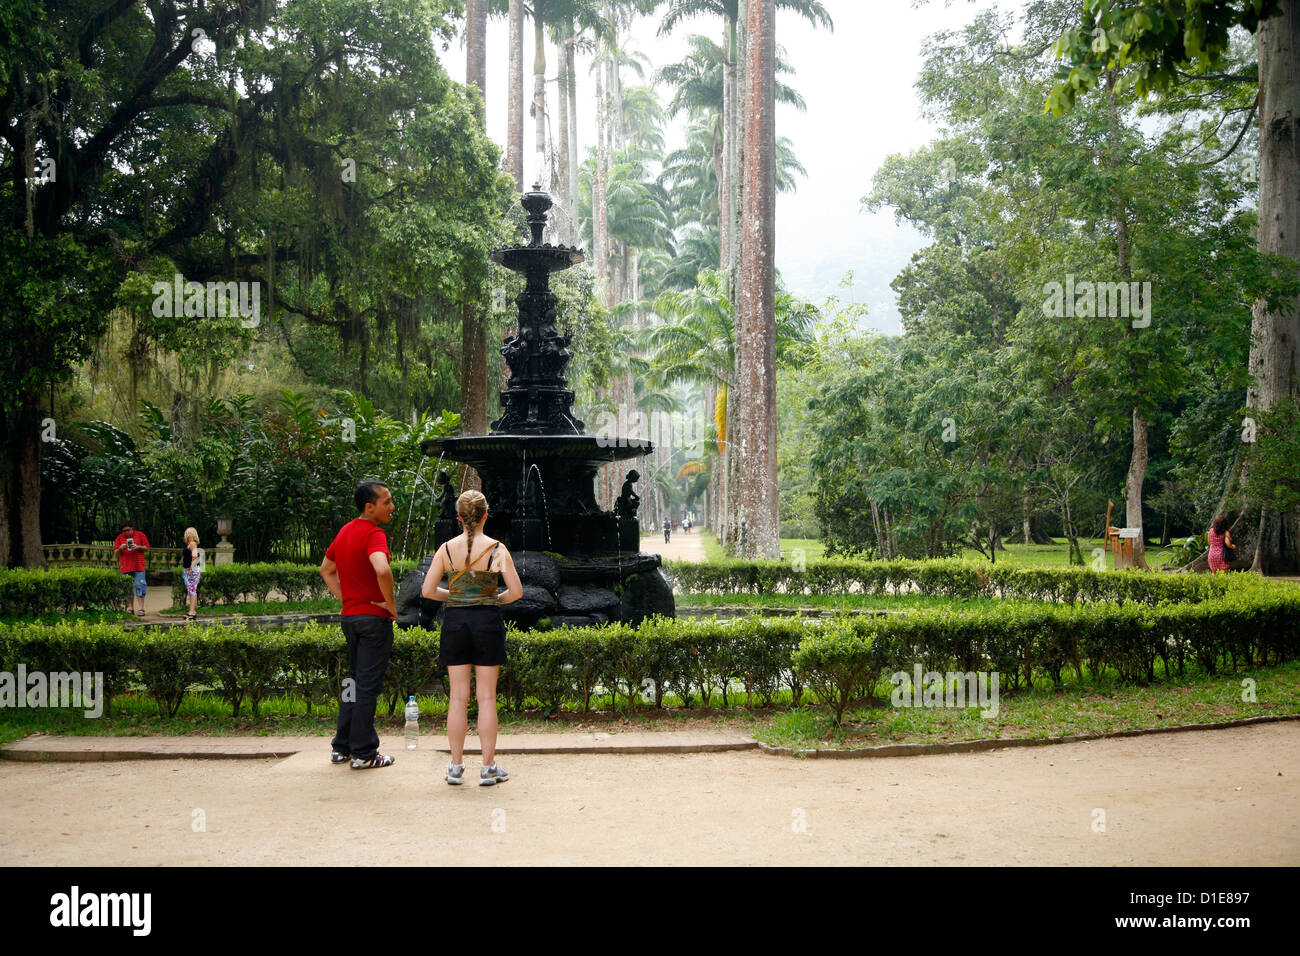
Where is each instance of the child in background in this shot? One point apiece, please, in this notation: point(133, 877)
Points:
point(192, 569)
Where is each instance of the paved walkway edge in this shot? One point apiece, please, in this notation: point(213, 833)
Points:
point(996, 743)
point(29, 750)
point(23, 750)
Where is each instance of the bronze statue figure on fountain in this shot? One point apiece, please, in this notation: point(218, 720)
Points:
point(629, 501)
point(446, 498)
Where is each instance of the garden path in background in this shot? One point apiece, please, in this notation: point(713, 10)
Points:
point(1221, 798)
point(682, 547)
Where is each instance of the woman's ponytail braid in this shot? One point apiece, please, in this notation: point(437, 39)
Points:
point(471, 506)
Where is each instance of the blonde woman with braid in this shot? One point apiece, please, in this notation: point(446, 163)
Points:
point(473, 632)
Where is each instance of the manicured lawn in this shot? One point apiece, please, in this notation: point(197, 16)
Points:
point(1055, 555)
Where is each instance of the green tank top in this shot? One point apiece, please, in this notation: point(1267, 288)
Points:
point(473, 587)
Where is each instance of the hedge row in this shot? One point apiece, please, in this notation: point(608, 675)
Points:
point(233, 583)
point(1257, 624)
point(838, 659)
point(953, 579)
point(25, 593)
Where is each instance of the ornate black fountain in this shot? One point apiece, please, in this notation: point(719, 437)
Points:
point(579, 564)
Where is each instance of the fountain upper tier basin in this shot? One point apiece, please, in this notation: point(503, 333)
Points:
point(479, 451)
point(524, 258)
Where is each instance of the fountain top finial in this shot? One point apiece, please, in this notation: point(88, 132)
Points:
point(537, 202)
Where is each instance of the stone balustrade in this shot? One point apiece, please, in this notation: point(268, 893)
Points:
point(101, 555)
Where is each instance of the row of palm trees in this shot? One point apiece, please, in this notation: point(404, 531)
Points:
point(682, 245)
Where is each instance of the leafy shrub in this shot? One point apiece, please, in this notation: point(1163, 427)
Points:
point(943, 578)
point(233, 583)
point(27, 593)
point(841, 663)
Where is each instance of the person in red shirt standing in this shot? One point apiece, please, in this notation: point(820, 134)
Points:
point(357, 572)
point(130, 547)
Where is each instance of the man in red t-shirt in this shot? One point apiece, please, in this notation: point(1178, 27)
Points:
point(130, 547)
point(357, 572)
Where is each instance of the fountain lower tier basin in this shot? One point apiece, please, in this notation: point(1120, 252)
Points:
point(562, 591)
point(541, 490)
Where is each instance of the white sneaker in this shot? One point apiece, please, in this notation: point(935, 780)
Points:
point(455, 774)
point(489, 776)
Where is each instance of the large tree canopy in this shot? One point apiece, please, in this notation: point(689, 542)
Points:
point(316, 148)
point(1160, 45)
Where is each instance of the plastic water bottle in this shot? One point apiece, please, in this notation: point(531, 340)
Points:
point(412, 724)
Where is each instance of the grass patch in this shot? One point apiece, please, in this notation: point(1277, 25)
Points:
point(256, 608)
point(1089, 708)
point(1054, 555)
point(834, 602)
point(89, 617)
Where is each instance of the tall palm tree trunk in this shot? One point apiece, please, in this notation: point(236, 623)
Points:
point(570, 59)
point(599, 209)
point(563, 157)
point(736, 121)
point(476, 45)
point(515, 90)
point(754, 436)
point(727, 175)
point(539, 91)
point(473, 334)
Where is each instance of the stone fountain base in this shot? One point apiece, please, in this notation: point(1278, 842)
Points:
point(567, 590)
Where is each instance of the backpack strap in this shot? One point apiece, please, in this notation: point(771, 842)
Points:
point(469, 564)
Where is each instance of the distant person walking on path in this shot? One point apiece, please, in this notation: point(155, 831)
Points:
point(473, 631)
point(357, 572)
point(1220, 538)
point(192, 570)
point(130, 547)
point(668, 528)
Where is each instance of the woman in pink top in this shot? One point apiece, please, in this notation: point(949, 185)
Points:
point(1219, 538)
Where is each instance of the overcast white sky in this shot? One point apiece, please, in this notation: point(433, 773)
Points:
point(858, 84)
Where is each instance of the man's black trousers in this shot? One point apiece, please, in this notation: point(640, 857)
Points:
point(370, 645)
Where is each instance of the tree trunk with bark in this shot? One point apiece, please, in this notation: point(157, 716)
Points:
point(570, 58)
point(476, 45)
point(473, 329)
point(539, 94)
point(600, 226)
point(1275, 336)
point(562, 155)
point(21, 495)
point(515, 92)
point(755, 393)
point(1137, 473)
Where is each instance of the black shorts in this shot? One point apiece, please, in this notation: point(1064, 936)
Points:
point(472, 635)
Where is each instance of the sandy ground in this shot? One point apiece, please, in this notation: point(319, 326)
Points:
point(1229, 797)
point(681, 547)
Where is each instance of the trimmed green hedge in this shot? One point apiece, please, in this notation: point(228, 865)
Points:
point(26, 593)
point(839, 660)
point(953, 579)
point(233, 583)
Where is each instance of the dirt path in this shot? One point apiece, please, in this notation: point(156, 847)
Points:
point(682, 547)
point(1229, 797)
